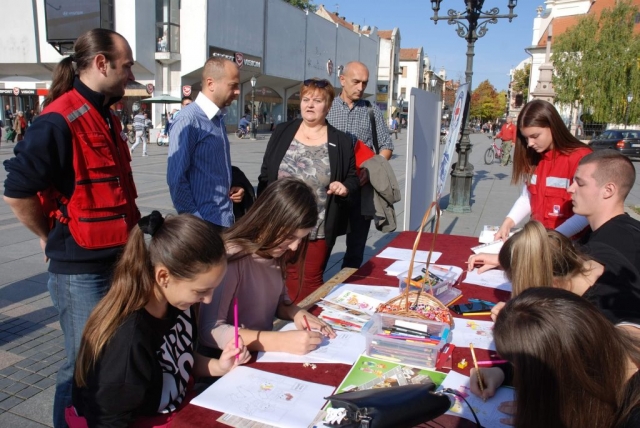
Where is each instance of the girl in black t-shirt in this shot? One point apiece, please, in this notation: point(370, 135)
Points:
point(137, 352)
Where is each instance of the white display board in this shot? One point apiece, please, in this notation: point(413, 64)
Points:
point(423, 156)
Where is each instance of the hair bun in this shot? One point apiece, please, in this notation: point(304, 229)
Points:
point(151, 223)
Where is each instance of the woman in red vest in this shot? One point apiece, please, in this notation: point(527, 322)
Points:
point(545, 160)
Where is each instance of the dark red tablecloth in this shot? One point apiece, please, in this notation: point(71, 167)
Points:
point(455, 251)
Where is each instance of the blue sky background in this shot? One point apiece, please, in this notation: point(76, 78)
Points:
point(500, 50)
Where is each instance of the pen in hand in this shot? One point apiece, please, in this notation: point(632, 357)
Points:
point(306, 322)
point(475, 363)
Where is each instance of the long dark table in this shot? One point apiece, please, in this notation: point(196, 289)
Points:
point(455, 251)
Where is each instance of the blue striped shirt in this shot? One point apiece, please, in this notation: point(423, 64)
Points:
point(199, 165)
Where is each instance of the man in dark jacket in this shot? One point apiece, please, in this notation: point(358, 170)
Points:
point(80, 266)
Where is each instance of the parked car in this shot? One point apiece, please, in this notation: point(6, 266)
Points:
point(626, 141)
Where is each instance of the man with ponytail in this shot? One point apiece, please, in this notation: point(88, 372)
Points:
point(70, 183)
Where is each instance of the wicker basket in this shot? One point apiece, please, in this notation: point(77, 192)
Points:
point(419, 304)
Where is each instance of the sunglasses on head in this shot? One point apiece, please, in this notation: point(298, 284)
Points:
point(319, 83)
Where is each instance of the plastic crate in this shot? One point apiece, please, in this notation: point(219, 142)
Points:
point(405, 349)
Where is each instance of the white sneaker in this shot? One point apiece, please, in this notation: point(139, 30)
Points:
point(144, 154)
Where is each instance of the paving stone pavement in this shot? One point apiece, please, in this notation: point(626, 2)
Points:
point(31, 343)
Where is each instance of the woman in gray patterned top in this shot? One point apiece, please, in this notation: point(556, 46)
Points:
point(314, 151)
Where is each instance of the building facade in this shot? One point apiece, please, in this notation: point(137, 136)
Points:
point(388, 71)
point(171, 40)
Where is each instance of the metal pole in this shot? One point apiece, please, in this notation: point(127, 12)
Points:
point(254, 129)
point(626, 116)
point(471, 25)
point(462, 174)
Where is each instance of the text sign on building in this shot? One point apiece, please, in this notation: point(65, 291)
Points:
point(245, 62)
point(17, 91)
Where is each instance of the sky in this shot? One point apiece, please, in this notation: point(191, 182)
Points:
point(501, 49)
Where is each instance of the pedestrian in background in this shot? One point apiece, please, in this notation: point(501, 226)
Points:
point(508, 136)
point(20, 125)
point(140, 127)
point(393, 126)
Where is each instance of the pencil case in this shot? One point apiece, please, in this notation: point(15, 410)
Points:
point(396, 407)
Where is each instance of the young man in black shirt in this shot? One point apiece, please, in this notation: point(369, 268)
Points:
point(601, 184)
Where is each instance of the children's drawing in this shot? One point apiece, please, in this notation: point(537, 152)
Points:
point(265, 397)
point(487, 412)
point(479, 333)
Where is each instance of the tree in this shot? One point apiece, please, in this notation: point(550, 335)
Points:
point(520, 83)
point(595, 64)
point(303, 4)
point(486, 103)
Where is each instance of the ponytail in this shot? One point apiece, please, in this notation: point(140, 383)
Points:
point(130, 291)
point(184, 244)
point(63, 77)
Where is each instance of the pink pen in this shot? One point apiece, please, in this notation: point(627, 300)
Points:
point(235, 323)
point(492, 362)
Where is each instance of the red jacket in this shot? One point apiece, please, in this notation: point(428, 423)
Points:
point(550, 201)
point(507, 132)
point(102, 209)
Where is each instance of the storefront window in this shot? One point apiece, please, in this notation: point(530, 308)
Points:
point(167, 25)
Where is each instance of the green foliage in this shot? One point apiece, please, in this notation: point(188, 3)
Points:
point(520, 83)
point(596, 62)
point(303, 4)
point(486, 103)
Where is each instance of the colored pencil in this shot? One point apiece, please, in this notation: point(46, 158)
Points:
point(475, 314)
point(492, 362)
point(454, 300)
point(235, 323)
point(475, 363)
point(306, 321)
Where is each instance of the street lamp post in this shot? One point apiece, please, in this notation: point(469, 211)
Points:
point(476, 27)
point(434, 82)
point(254, 125)
point(626, 117)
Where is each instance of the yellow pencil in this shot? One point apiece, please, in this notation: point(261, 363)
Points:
point(474, 314)
point(454, 300)
point(475, 364)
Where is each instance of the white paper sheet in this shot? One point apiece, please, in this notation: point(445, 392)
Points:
point(401, 266)
point(487, 412)
point(467, 331)
point(493, 278)
point(364, 298)
point(265, 397)
point(492, 247)
point(405, 254)
point(345, 349)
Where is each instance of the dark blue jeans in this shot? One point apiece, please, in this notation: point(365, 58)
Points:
point(74, 296)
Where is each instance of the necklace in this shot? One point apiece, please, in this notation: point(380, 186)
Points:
point(318, 134)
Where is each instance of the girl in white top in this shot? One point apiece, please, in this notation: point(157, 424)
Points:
point(271, 235)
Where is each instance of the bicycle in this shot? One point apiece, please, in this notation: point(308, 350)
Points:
point(241, 132)
point(131, 135)
point(492, 153)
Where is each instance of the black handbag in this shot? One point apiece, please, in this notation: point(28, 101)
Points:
point(396, 407)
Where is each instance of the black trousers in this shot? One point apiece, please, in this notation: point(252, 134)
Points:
point(357, 237)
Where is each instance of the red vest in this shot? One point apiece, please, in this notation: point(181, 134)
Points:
point(102, 209)
point(550, 202)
